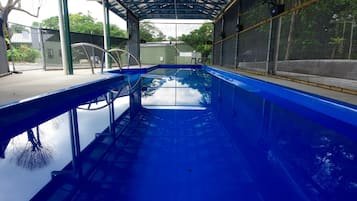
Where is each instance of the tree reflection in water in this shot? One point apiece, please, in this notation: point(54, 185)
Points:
point(33, 155)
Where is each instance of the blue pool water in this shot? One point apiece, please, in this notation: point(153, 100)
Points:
point(199, 133)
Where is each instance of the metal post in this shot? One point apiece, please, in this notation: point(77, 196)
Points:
point(353, 23)
point(273, 46)
point(65, 37)
point(269, 48)
point(134, 37)
point(214, 45)
point(43, 52)
point(176, 37)
point(236, 62)
point(277, 44)
point(93, 58)
point(106, 31)
point(75, 144)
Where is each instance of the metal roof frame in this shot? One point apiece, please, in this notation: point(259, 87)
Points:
point(169, 9)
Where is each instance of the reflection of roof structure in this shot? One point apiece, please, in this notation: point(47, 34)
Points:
point(169, 9)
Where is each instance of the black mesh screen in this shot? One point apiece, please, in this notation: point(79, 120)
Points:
point(316, 37)
point(217, 36)
point(229, 30)
point(52, 47)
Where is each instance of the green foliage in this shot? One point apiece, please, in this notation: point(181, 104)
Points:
point(23, 54)
point(35, 24)
point(318, 31)
point(16, 28)
point(337, 43)
point(198, 39)
point(150, 33)
point(83, 24)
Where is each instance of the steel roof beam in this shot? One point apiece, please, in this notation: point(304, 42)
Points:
point(171, 16)
point(172, 3)
point(143, 9)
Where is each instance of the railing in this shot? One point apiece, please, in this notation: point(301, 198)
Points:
point(116, 50)
point(91, 57)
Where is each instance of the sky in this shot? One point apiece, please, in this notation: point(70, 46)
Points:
point(49, 8)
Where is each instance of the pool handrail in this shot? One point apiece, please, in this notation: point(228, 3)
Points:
point(129, 55)
point(83, 45)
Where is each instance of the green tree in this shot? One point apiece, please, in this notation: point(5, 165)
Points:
point(35, 24)
point(23, 54)
point(198, 39)
point(83, 24)
point(17, 28)
point(5, 9)
point(150, 33)
point(312, 41)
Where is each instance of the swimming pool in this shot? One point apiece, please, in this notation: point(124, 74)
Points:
point(199, 133)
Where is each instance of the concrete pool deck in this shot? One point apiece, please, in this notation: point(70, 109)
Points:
point(339, 89)
point(32, 83)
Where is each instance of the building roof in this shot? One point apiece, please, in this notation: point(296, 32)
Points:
point(169, 9)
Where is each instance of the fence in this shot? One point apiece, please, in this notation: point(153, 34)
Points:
point(38, 48)
point(307, 36)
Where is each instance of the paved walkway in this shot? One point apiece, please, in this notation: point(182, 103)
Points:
point(322, 86)
point(29, 84)
point(329, 81)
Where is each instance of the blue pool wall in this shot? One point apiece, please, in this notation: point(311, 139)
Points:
point(316, 161)
point(286, 147)
point(302, 142)
point(335, 114)
point(329, 112)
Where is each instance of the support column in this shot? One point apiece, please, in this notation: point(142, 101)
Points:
point(216, 44)
point(273, 46)
point(134, 37)
point(238, 29)
point(274, 36)
point(65, 37)
point(43, 50)
point(106, 31)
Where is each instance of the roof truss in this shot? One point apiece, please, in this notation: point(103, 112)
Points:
point(169, 9)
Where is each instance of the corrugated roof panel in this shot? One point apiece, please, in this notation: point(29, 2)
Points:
point(169, 9)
